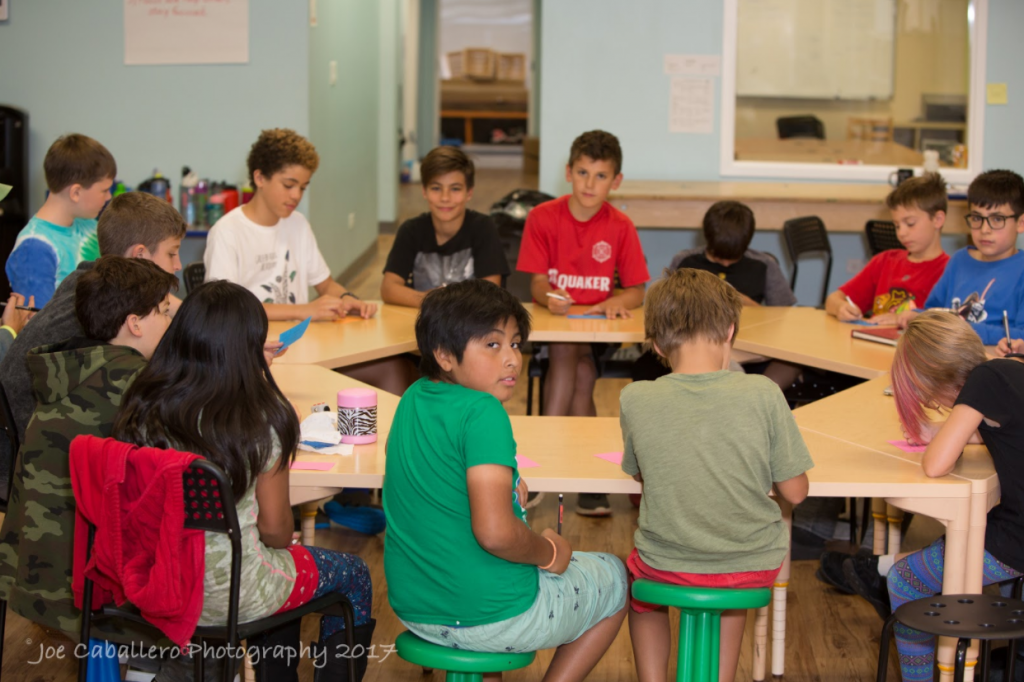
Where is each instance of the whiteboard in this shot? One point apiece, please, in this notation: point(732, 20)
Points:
point(815, 49)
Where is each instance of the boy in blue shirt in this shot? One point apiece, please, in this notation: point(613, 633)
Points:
point(983, 280)
point(79, 173)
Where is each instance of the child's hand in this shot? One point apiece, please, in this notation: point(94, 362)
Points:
point(14, 318)
point(848, 312)
point(564, 551)
point(610, 310)
point(928, 430)
point(558, 306)
point(362, 308)
point(1002, 348)
point(325, 307)
point(271, 350)
point(904, 318)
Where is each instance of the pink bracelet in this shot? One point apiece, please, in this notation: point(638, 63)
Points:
point(554, 556)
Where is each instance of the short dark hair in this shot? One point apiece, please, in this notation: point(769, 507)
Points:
point(452, 316)
point(443, 160)
point(276, 149)
point(599, 146)
point(997, 187)
point(137, 218)
point(927, 192)
point(115, 288)
point(77, 160)
point(728, 229)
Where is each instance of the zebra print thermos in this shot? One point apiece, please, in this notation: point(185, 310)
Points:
point(357, 415)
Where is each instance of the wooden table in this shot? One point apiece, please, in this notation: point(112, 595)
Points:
point(843, 207)
point(560, 328)
point(352, 340)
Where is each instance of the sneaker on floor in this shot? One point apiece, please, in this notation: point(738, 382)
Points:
point(861, 574)
point(593, 504)
point(830, 571)
point(533, 499)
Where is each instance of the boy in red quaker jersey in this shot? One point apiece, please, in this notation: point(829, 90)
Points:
point(575, 246)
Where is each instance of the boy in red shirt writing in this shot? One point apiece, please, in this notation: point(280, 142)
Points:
point(575, 246)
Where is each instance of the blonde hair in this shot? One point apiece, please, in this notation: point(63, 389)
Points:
point(690, 303)
point(933, 358)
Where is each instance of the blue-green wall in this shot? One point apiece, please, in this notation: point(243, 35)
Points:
point(602, 68)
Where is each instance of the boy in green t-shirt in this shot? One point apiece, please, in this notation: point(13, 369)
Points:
point(464, 569)
point(708, 445)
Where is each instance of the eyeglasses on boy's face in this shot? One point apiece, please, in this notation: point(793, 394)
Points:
point(976, 221)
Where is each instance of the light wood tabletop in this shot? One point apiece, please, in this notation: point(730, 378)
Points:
point(844, 207)
point(351, 340)
point(809, 150)
point(808, 336)
point(563, 328)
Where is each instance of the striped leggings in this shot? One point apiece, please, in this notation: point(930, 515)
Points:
point(917, 576)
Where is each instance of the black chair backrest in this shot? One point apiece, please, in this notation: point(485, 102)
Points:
point(194, 274)
point(808, 235)
point(11, 433)
point(800, 126)
point(881, 236)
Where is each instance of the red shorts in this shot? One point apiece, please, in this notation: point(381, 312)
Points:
point(638, 569)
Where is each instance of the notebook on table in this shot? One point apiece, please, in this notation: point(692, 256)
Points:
point(886, 335)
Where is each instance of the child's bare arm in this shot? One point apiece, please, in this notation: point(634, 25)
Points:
point(793, 490)
point(947, 445)
point(275, 521)
point(394, 291)
point(496, 527)
point(619, 305)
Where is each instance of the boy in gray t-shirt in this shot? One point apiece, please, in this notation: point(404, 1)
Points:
point(708, 445)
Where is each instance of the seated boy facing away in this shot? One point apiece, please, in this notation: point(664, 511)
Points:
point(464, 569)
point(708, 445)
point(574, 247)
point(448, 244)
point(899, 280)
point(984, 281)
point(79, 173)
point(123, 306)
point(134, 225)
point(756, 276)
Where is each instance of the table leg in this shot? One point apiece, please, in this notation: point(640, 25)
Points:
point(779, 599)
point(878, 507)
point(895, 518)
point(307, 510)
point(760, 643)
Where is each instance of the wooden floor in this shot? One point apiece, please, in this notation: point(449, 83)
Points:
point(829, 636)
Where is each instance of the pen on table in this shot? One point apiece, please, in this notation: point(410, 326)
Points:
point(560, 508)
point(3, 304)
point(558, 296)
point(1006, 328)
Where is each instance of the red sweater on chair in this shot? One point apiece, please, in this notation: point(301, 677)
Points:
point(141, 553)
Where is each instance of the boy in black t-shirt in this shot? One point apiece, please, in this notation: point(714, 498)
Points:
point(450, 243)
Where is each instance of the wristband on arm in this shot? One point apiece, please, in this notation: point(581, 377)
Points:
point(554, 555)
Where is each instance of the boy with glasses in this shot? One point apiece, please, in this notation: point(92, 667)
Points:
point(983, 280)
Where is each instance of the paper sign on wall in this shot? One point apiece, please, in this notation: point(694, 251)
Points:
point(693, 64)
point(186, 32)
point(691, 105)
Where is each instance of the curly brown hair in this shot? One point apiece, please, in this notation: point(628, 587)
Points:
point(278, 148)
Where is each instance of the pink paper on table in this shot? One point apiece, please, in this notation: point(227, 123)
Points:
point(907, 447)
point(312, 466)
point(613, 457)
point(524, 462)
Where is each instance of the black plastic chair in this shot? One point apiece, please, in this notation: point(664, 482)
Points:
point(881, 236)
point(194, 274)
point(963, 617)
point(202, 481)
point(800, 126)
point(808, 235)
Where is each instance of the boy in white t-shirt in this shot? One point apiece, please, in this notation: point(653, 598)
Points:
point(269, 248)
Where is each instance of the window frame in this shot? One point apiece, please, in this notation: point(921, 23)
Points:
point(977, 17)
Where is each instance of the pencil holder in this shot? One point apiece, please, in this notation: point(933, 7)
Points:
point(357, 415)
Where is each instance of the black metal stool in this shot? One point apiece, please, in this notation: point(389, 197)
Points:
point(966, 617)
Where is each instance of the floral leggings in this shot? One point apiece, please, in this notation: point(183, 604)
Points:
point(917, 576)
point(345, 573)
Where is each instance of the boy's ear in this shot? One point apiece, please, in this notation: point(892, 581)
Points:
point(939, 219)
point(1020, 223)
point(568, 172)
point(732, 331)
point(75, 192)
point(258, 178)
point(616, 182)
point(444, 359)
point(657, 350)
point(137, 251)
point(133, 326)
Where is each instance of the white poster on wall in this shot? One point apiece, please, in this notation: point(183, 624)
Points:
point(186, 32)
point(691, 105)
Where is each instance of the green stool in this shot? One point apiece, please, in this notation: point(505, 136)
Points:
point(461, 665)
point(700, 621)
